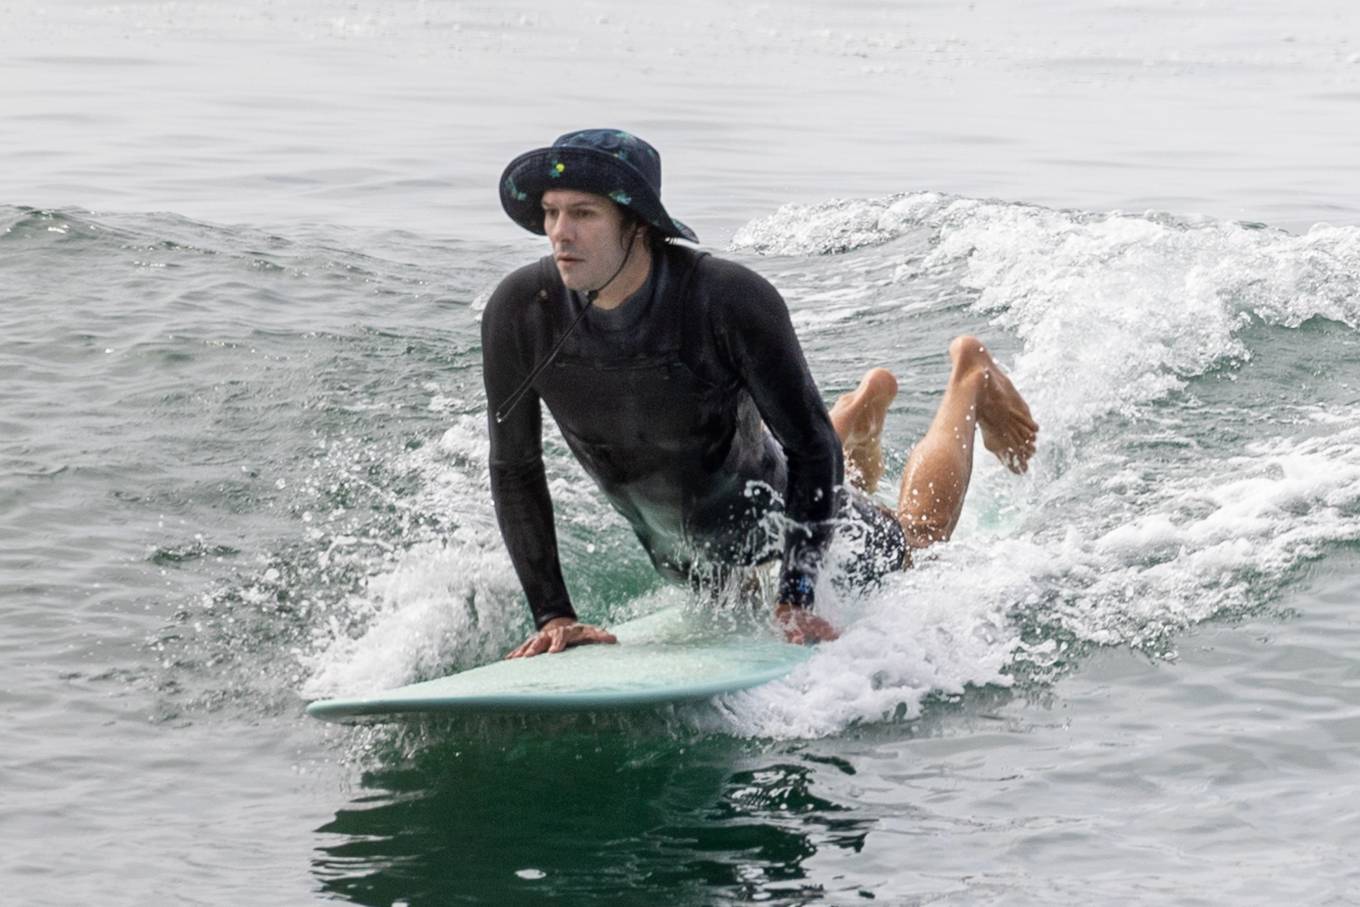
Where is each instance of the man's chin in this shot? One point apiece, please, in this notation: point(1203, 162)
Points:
point(571, 275)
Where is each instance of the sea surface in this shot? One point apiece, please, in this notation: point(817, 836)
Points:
point(243, 252)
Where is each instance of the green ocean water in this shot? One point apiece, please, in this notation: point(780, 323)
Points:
point(242, 456)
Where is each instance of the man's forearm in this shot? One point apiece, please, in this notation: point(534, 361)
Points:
point(524, 512)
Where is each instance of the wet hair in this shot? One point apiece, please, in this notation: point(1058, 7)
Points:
point(656, 242)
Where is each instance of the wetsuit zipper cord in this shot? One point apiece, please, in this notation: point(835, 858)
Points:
point(504, 412)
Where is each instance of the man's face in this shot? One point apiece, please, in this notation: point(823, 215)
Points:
point(586, 231)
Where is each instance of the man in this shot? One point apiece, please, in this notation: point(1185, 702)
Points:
point(678, 383)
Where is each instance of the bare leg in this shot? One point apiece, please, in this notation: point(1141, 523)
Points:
point(979, 395)
point(858, 420)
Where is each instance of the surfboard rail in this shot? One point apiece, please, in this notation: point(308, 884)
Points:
point(658, 661)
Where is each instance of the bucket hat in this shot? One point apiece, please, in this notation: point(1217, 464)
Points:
point(609, 162)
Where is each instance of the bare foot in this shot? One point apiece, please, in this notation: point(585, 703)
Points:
point(1008, 427)
point(858, 419)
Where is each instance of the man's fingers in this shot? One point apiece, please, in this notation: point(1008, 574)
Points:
point(556, 639)
point(595, 634)
point(532, 646)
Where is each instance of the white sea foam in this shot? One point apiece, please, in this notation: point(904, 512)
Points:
point(440, 603)
point(1213, 541)
point(1133, 304)
point(1115, 312)
point(442, 606)
point(449, 601)
point(932, 631)
point(1106, 543)
point(838, 225)
point(1204, 545)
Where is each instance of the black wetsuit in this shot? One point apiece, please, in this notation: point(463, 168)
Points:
point(665, 401)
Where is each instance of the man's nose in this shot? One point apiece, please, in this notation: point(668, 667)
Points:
point(559, 229)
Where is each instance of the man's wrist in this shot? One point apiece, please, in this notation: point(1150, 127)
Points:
point(796, 590)
point(546, 615)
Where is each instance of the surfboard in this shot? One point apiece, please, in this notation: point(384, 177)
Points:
point(671, 656)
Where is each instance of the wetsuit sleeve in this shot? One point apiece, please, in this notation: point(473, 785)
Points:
point(755, 335)
point(519, 487)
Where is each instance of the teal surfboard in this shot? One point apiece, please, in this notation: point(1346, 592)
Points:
point(667, 657)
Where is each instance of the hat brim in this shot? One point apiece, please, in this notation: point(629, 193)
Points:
point(588, 170)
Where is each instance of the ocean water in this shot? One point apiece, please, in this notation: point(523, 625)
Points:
point(243, 252)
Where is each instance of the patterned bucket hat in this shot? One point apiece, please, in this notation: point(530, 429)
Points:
point(608, 162)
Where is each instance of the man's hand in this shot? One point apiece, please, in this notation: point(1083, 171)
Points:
point(801, 627)
point(561, 633)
